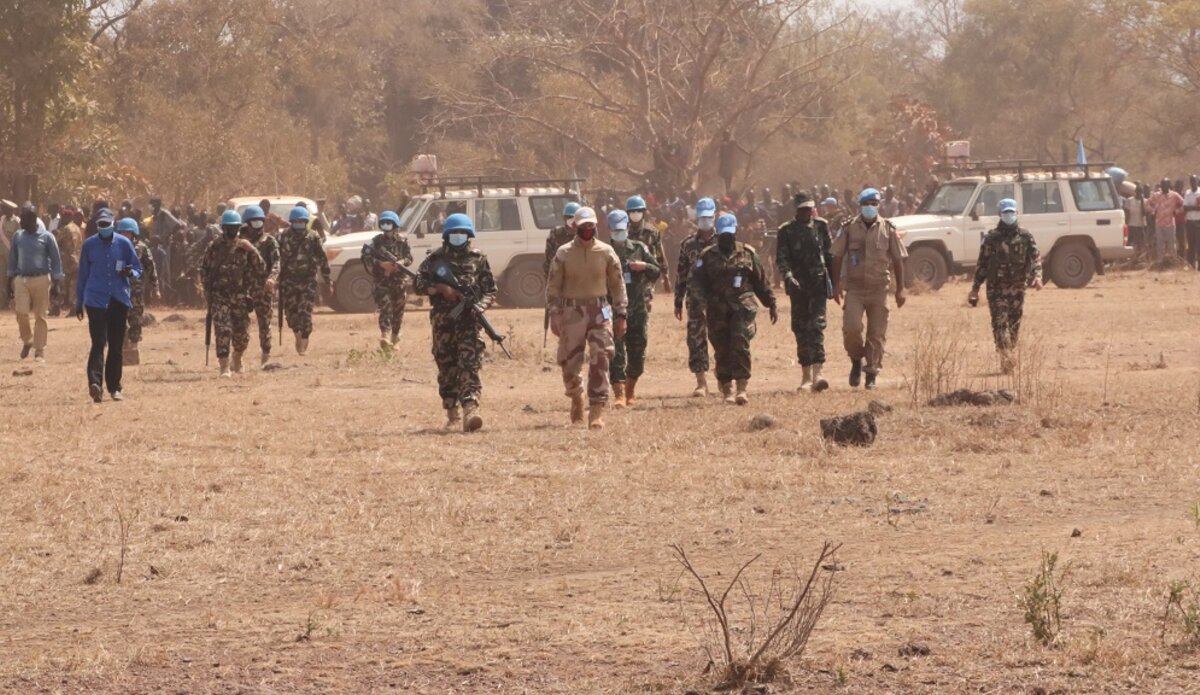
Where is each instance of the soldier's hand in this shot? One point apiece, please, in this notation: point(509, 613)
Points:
point(78, 312)
point(245, 245)
point(389, 267)
point(791, 280)
point(619, 326)
point(269, 286)
point(666, 284)
point(900, 297)
point(637, 266)
point(973, 298)
point(448, 293)
point(838, 294)
point(678, 313)
point(774, 313)
point(1037, 284)
point(554, 328)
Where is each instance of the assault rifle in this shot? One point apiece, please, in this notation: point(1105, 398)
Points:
point(207, 332)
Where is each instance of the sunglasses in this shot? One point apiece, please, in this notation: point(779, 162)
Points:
point(104, 225)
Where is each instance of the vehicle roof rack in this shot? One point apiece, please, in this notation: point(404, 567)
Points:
point(444, 183)
point(1021, 167)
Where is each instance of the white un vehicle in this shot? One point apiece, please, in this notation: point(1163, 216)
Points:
point(512, 220)
point(1075, 216)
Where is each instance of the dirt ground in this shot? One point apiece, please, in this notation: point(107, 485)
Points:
point(313, 529)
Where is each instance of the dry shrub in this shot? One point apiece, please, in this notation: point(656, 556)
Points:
point(1042, 599)
point(1182, 612)
point(1029, 378)
point(750, 639)
point(939, 361)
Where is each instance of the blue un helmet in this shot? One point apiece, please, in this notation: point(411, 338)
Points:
point(706, 207)
point(128, 224)
point(1006, 205)
point(458, 222)
point(618, 221)
point(570, 209)
point(635, 202)
point(253, 212)
point(299, 214)
point(231, 218)
point(389, 216)
point(868, 194)
point(727, 224)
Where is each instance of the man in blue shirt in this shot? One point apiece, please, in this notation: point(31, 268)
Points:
point(32, 261)
point(106, 263)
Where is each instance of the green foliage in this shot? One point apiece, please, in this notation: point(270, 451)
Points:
point(1183, 612)
point(1042, 597)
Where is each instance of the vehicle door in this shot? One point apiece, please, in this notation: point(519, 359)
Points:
point(1099, 213)
point(425, 232)
point(1043, 212)
point(498, 231)
point(985, 208)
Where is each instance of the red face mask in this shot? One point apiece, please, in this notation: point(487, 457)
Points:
point(586, 232)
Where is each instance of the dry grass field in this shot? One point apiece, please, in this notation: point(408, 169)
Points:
point(313, 530)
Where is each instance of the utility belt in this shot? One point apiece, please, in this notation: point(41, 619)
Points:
point(33, 275)
point(594, 301)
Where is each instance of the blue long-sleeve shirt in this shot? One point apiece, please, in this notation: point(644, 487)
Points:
point(34, 253)
point(98, 278)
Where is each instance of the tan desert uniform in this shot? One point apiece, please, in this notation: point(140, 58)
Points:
point(583, 275)
point(867, 255)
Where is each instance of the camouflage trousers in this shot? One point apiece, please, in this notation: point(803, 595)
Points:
point(136, 312)
point(629, 355)
point(298, 301)
point(585, 337)
point(731, 327)
point(65, 298)
point(697, 338)
point(808, 325)
point(263, 308)
point(231, 325)
point(458, 352)
point(1007, 304)
point(390, 299)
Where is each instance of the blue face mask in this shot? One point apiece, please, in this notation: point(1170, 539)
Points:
point(105, 233)
point(870, 212)
point(299, 226)
point(457, 239)
point(1009, 218)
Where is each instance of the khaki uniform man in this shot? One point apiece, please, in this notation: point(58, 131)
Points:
point(867, 258)
point(584, 275)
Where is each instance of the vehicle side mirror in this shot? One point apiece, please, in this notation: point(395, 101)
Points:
point(977, 212)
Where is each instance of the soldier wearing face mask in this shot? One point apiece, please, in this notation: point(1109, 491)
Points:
point(697, 323)
point(261, 299)
point(301, 258)
point(867, 258)
point(232, 268)
point(641, 230)
point(388, 278)
point(1008, 263)
point(638, 268)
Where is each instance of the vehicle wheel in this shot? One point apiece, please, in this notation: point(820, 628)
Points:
point(353, 291)
point(1072, 265)
point(928, 265)
point(524, 284)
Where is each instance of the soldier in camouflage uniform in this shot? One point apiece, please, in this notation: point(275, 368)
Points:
point(232, 268)
point(641, 229)
point(726, 278)
point(457, 347)
point(697, 323)
point(1008, 263)
point(139, 287)
point(389, 291)
point(261, 298)
point(302, 256)
point(638, 268)
point(559, 236)
point(802, 256)
point(70, 239)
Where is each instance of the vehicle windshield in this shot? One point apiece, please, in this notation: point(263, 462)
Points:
point(409, 211)
point(950, 199)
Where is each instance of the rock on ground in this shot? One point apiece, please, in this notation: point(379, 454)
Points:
point(856, 429)
point(969, 397)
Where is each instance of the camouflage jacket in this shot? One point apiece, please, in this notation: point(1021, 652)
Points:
point(268, 248)
point(302, 256)
point(1008, 258)
point(650, 236)
point(69, 238)
point(229, 272)
point(397, 245)
point(802, 251)
point(149, 276)
point(689, 253)
point(735, 279)
point(557, 237)
point(470, 268)
point(635, 283)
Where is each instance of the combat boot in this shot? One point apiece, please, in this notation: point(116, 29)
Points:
point(395, 338)
point(806, 380)
point(224, 361)
point(701, 385)
point(618, 395)
point(577, 410)
point(130, 355)
point(453, 416)
point(631, 392)
point(596, 416)
point(742, 398)
point(236, 363)
point(870, 381)
point(727, 391)
point(384, 343)
point(302, 348)
point(472, 420)
point(819, 383)
point(266, 357)
point(856, 373)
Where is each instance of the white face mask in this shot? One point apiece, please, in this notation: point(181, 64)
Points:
point(621, 235)
point(386, 226)
point(636, 216)
point(706, 223)
point(870, 212)
point(457, 239)
point(1008, 217)
point(257, 224)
